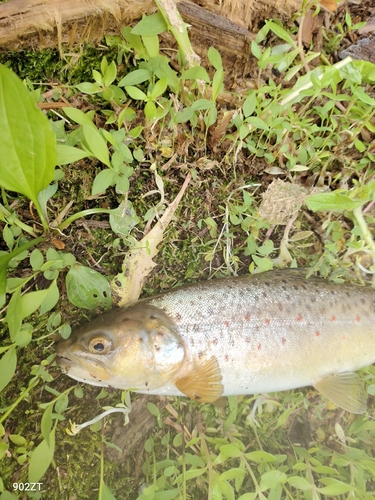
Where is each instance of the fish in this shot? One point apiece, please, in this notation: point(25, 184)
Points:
point(249, 334)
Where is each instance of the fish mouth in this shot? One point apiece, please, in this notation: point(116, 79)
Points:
point(78, 372)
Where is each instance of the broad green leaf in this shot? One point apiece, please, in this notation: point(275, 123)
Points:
point(103, 180)
point(51, 298)
point(215, 58)
point(257, 122)
point(159, 88)
point(14, 316)
point(8, 364)
point(217, 84)
point(332, 201)
point(46, 424)
point(135, 77)
point(69, 154)
point(249, 105)
point(201, 104)
point(79, 117)
point(110, 74)
point(271, 479)
point(36, 259)
point(89, 88)
point(196, 73)
point(96, 144)
point(28, 145)
point(41, 458)
point(281, 33)
point(31, 301)
point(87, 288)
point(106, 493)
point(230, 450)
point(150, 25)
point(123, 219)
point(260, 457)
point(232, 474)
point(335, 487)
point(136, 93)
point(151, 44)
point(300, 483)
point(248, 496)
point(7, 495)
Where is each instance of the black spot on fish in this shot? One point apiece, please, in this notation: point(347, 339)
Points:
point(178, 316)
point(264, 294)
point(295, 287)
point(140, 339)
point(363, 301)
point(200, 354)
point(146, 384)
point(267, 283)
point(118, 283)
point(157, 347)
point(313, 298)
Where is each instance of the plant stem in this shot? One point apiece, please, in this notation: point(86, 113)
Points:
point(367, 236)
point(84, 213)
point(19, 399)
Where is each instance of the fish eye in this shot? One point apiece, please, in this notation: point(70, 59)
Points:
point(99, 345)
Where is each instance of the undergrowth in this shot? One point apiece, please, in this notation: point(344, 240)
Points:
point(123, 144)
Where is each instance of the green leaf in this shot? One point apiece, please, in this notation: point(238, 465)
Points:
point(196, 73)
point(249, 105)
point(260, 457)
point(215, 58)
point(151, 44)
point(46, 424)
point(51, 298)
point(159, 88)
point(135, 77)
point(96, 144)
point(123, 219)
point(13, 316)
point(110, 74)
point(8, 365)
point(103, 180)
point(232, 474)
point(150, 25)
point(300, 483)
point(41, 458)
point(106, 493)
point(257, 122)
point(136, 93)
point(79, 117)
point(271, 479)
point(332, 201)
point(69, 154)
point(334, 487)
point(28, 145)
point(230, 450)
point(87, 288)
point(281, 33)
point(89, 88)
point(31, 301)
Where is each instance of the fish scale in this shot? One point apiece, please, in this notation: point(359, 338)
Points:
point(241, 335)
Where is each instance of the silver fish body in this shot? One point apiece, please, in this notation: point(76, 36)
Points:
point(243, 335)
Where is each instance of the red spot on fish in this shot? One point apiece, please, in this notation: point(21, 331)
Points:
point(247, 316)
point(283, 341)
point(267, 321)
point(215, 341)
point(317, 334)
point(226, 357)
point(333, 317)
point(259, 347)
point(358, 319)
point(226, 324)
point(299, 317)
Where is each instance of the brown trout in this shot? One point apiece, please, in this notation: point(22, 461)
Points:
point(240, 335)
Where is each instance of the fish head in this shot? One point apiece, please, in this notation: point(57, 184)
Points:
point(130, 348)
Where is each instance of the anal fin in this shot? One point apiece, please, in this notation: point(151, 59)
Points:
point(345, 389)
point(203, 383)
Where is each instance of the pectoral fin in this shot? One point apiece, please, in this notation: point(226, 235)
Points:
point(345, 390)
point(203, 383)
